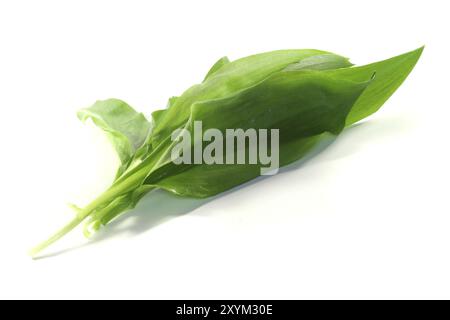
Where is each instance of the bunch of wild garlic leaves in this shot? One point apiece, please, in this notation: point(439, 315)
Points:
point(305, 94)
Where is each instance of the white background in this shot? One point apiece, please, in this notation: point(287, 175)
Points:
point(366, 218)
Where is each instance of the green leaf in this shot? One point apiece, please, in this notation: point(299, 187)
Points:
point(202, 181)
point(219, 64)
point(126, 129)
point(302, 105)
point(230, 78)
point(389, 75)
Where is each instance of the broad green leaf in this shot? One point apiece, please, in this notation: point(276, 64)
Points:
point(302, 105)
point(126, 128)
point(389, 75)
point(230, 78)
point(201, 181)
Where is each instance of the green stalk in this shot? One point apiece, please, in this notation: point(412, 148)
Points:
point(56, 236)
point(83, 214)
point(117, 189)
point(129, 181)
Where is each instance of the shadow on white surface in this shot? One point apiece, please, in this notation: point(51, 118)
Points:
point(160, 206)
